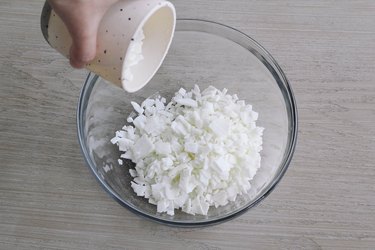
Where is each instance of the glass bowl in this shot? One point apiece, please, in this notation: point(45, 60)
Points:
point(203, 53)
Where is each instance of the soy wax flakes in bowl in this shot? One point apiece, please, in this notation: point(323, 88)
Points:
point(187, 152)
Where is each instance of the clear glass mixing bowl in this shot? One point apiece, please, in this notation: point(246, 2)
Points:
point(203, 53)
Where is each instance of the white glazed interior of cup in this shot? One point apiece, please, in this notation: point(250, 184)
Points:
point(158, 27)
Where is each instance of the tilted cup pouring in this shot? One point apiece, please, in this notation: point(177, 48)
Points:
point(133, 39)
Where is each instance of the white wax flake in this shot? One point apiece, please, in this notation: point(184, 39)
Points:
point(107, 168)
point(220, 127)
point(182, 91)
point(201, 149)
point(148, 103)
point(133, 173)
point(133, 55)
point(187, 102)
point(163, 148)
point(191, 147)
point(139, 122)
point(142, 147)
point(137, 107)
point(223, 165)
point(130, 119)
point(127, 155)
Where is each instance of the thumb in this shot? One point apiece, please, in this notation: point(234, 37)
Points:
point(82, 19)
point(83, 49)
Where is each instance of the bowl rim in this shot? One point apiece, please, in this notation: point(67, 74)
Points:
point(293, 118)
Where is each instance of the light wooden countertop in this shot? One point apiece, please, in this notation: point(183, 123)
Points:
point(50, 200)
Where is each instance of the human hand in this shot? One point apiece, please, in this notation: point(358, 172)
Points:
point(82, 18)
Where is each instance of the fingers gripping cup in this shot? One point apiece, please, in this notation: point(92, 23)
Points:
point(133, 39)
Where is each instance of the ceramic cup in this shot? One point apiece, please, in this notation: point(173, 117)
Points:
point(157, 19)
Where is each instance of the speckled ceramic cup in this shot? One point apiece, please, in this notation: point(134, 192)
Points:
point(157, 18)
